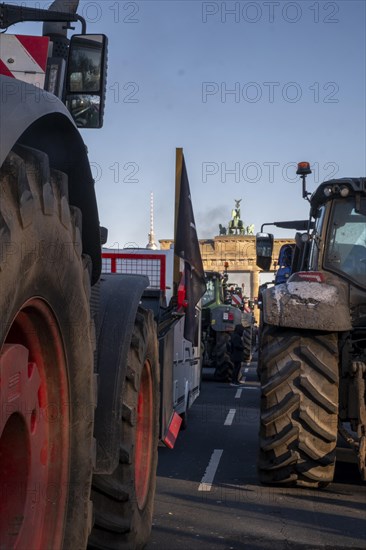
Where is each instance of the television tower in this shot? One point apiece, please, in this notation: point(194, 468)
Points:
point(151, 245)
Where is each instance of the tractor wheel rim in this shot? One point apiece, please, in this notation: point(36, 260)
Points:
point(34, 431)
point(144, 436)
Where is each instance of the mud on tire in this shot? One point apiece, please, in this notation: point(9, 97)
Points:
point(299, 407)
point(46, 365)
point(123, 500)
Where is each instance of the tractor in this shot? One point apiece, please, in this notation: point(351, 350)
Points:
point(312, 349)
point(219, 318)
point(79, 423)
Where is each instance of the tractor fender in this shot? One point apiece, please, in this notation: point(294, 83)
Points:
point(120, 297)
point(35, 118)
point(225, 317)
point(320, 306)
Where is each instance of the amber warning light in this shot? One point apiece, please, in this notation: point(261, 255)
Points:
point(303, 168)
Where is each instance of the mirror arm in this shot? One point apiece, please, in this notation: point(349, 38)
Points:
point(10, 15)
point(82, 22)
point(263, 224)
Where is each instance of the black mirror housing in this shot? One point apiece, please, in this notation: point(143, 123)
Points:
point(86, 79)
point(264, 250)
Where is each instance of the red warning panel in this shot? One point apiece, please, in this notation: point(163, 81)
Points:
point(173, 430)
point(24, 57)
point(36, 47)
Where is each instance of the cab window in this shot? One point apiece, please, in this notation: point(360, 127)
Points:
point(346, 243)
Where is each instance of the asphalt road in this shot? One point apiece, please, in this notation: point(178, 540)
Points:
point(208, 495)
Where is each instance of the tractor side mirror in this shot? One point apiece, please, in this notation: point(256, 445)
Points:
point(264, 250)
point(103, 235)
point(86, 79)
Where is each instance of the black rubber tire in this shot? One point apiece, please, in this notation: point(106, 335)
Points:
point(259, 346)
point(248, 344)
point(41, 258)
point(299, 407)
point(223, 364)
point(119, 520)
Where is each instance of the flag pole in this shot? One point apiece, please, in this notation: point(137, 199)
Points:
point(178, 177)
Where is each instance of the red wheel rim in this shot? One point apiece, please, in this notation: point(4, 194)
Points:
point(144, 436)
point(34, 428)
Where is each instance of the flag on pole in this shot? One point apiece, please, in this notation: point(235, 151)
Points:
point(186, 246)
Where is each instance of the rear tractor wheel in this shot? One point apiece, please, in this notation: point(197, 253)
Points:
point(123, 500)
point(46, 360)
point(299, 407)
point(224, 366)
point(248, 344)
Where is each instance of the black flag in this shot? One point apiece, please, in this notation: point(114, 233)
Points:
point(186, 247)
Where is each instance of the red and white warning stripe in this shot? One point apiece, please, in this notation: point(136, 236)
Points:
point(24, 57)
point(236, 300)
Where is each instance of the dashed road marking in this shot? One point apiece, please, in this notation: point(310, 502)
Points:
point(230, 417)
point(206, 481)
point(238, 393)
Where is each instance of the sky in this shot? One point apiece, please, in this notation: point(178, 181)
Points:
point(248, 89)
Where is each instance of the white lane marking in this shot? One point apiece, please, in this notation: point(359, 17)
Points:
point(238, 393)
point(230, 417)
point(251, 388)
point(246, 369)
point(206, 481)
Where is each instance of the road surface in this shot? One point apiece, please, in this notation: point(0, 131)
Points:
point(208, 495)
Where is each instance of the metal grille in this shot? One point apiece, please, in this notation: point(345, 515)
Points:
point(151, 268)
point(106, 265)
point(152, 265)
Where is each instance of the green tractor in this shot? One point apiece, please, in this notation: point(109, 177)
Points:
point(219, 318)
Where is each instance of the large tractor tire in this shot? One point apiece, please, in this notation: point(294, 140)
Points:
point(123, 500)
point(46, 360)
point(224, 366)
point(299, 407)
point(248, 344)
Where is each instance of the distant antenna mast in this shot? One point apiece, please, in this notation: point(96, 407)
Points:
point(151, 245)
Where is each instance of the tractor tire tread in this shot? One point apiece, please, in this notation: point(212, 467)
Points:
point(119, 523)
point(299, 407)
point(28, 219)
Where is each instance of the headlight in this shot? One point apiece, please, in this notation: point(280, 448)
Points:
point(344, 191)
